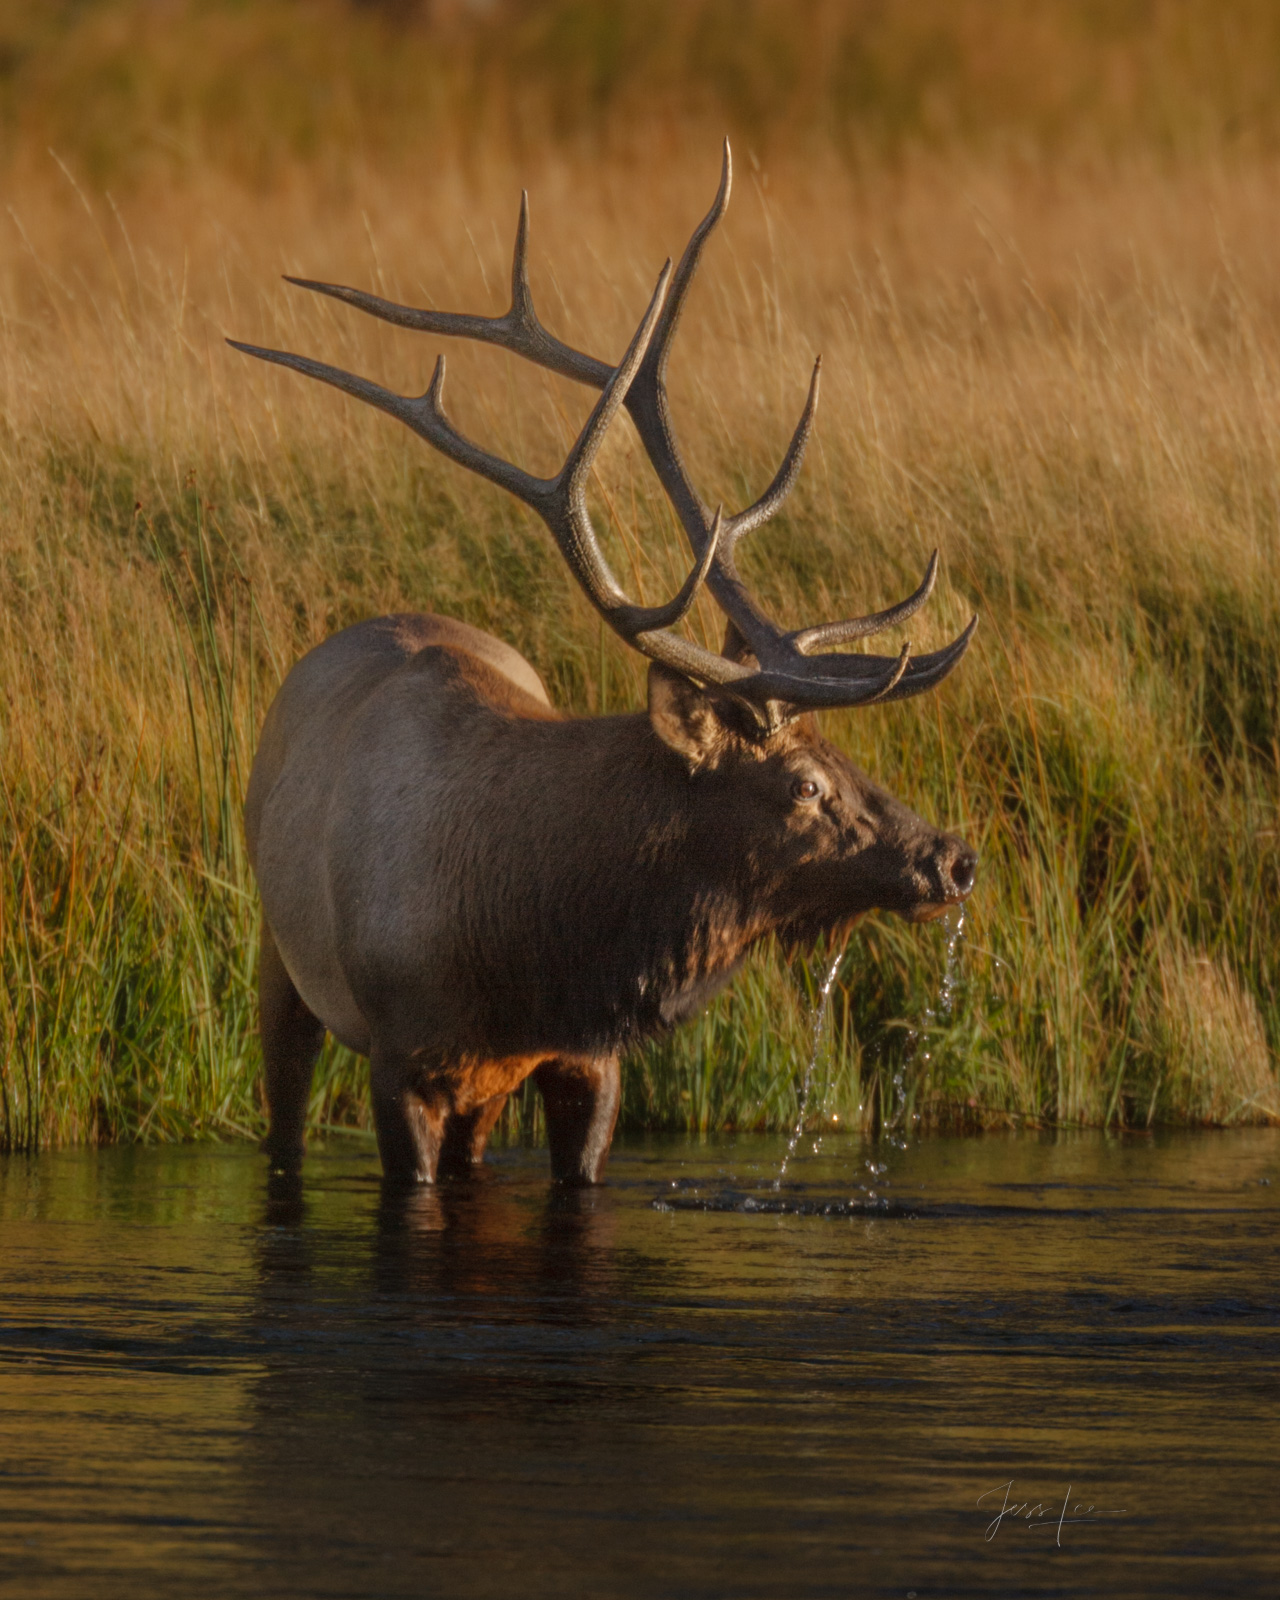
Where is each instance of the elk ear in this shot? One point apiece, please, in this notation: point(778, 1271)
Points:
point(685, 718)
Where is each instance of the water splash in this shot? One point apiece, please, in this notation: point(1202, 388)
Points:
point(955, 937)
point(818, 1021)
point(938, 1010)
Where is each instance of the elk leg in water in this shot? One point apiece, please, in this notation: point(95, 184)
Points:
point(465, 1136)
point(291, 1040)
point(410, 1125)
point(580, 1096)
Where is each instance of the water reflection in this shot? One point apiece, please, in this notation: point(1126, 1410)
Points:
point(546, 1255)
point(319, 1389)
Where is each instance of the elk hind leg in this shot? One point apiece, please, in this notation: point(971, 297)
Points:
point(409, 1121)
point(580, 1097)
point(465, 1135)
point(291, 1040)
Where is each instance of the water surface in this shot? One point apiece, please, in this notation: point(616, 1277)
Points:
point(688, 1384)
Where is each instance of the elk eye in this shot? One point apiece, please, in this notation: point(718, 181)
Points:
point(805, 789)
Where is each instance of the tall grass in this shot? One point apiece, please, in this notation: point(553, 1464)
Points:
point(1065, 374)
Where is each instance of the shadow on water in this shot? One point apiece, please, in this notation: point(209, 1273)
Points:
point(689, 1383)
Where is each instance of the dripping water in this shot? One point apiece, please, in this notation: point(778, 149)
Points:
point(869, 1198)
point(938, 1010)
point(818, 1020)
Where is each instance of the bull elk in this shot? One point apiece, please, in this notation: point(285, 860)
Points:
point(469, 887)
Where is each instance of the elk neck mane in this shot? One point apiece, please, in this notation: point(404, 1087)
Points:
point(630, 911)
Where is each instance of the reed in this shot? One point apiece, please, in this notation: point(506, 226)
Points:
point(1061, 370)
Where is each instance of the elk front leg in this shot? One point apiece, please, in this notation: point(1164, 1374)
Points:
point(580, 1096)
point(291, 1040)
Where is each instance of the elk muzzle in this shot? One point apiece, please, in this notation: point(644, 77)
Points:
point(946, 879)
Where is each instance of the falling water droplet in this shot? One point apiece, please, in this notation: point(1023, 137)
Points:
point(939, 1009)
point(818, 1019)
point(947, 992)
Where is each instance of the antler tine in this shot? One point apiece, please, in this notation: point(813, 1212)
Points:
point(748, 631)
point(929, 671)
point(660, 350)
point(679, 607)
point(521, 294)
point(517, 329)
point(848, 681)
point(566, 514)
point(423, 413)
point(851, 680)
point(784, 479)
point(895, 677)
point(565, 510)
point(828, 633)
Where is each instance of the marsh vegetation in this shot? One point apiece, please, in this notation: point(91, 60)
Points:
point(1051, 348)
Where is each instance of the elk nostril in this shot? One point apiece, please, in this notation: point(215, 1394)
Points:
point(962, 870)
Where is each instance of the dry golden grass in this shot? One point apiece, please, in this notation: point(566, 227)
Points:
point(1207, 1044)
point(1064, 374)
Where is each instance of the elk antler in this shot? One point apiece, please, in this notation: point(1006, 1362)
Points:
point(560, 501)
point(787, 678)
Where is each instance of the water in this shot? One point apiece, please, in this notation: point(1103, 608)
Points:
point(817, 1021)
point(894, 1132)
point(493, 1391)
point(940, 1009)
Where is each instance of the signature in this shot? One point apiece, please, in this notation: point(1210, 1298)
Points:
point(1039, 1514)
